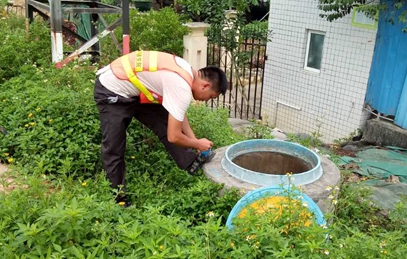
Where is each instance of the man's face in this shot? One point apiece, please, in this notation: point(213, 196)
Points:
point(202, 90)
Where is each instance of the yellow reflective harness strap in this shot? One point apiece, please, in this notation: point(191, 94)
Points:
point(153, 60)
point(134, 80)
point(139, 65)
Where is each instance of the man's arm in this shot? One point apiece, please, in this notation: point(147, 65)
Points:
point(186, 128)
point(176, 136)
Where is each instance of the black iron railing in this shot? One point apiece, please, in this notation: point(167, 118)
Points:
point(243, 61)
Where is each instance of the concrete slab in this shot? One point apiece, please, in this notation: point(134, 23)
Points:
point(240, 125)
point(317, 190)
point(384, 133)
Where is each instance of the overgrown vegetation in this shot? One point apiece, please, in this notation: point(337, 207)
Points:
point(57, 203)
point(21, 46)
point(335, 9)
point(161, 30)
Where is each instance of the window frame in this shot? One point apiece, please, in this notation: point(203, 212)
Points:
point(309, 33)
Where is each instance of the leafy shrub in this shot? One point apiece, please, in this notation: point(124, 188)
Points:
point(51, 119)
point(19, 46)
point(160, 30)
point(256, 31)
point(212, 124)
point(157, 30)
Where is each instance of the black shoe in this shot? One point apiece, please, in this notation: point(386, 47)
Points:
point(199, 162)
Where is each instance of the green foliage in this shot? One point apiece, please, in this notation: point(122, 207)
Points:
point(336, 9)
point(110, 2)
point(256, 30)
point(259, 129)
point(51, 119)
point(212, 124)
point(279, 231)
point(58, 204)
point(19, 46)
point(154, 30)
point(204, 11)
point(212, 11)
point(157, 30)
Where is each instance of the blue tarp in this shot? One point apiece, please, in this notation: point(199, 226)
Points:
point(379, 166)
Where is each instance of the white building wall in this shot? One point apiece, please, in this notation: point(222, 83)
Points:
point(297, 100)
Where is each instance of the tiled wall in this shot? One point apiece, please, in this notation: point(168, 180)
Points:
point(296, 100)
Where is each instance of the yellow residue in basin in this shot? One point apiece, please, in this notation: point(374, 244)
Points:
point(276, 205)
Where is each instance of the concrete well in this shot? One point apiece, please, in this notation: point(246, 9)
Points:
point(316, 190)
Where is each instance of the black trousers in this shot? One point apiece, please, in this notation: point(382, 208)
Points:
point(116, 113)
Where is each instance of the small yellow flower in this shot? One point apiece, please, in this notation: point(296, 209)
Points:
point(248, 238)
point(6, 154)
point(10, 160)
point(26, 125)
point(336, 188)
point(328, 188)
point(97, 222)
point(4, 100)
point(330, 196)
point(50, 120)
point(133, 157)
point(122, 203)
point(210, 214)
point(340, 245)
point(232, 244)
point(363, 178)
point(326, 252)
point(32, 123)
point(30, 115)
point(384, 252)
point(84, 184)
point(382, 244)
point(335, 202)
point(38, 109)
point(161, 247)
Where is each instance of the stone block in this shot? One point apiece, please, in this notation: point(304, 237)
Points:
point(384, 133)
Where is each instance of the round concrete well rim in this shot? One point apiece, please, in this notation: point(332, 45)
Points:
point(317, 190)
point(271, 145)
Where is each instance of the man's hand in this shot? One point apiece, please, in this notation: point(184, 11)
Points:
point(204, 144)
point(175, 135)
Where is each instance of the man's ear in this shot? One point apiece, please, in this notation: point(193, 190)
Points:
point(206, 85)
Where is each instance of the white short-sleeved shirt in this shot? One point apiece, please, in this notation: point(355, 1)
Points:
point(176, 92)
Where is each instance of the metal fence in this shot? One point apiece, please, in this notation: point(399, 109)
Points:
point(244, 67)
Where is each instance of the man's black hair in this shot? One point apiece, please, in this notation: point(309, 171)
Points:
point(217, 78)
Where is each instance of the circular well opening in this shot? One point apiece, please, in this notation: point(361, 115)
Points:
point(272, 163)
point(266, 162)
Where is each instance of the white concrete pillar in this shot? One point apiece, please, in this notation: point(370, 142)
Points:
point(196, 45)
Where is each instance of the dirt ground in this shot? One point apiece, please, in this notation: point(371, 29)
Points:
point(4, 180)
